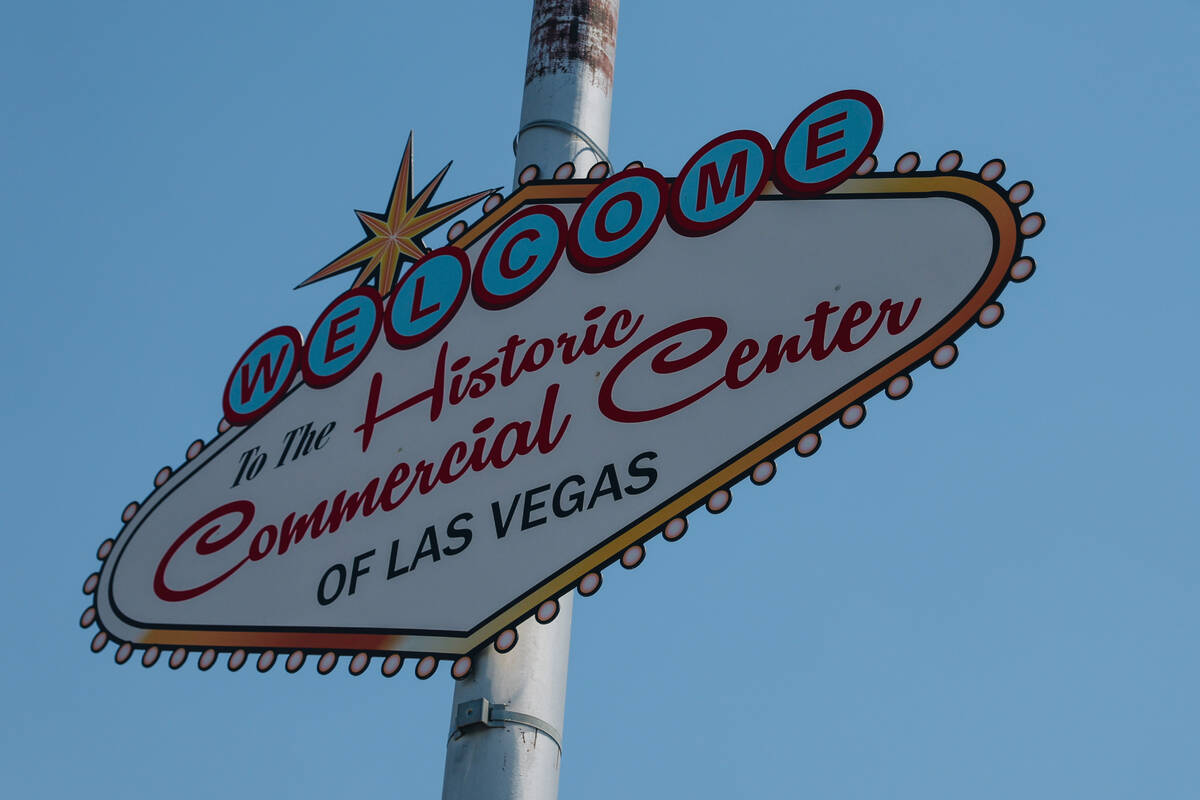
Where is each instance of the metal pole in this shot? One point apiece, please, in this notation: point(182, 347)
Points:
point(564, 117)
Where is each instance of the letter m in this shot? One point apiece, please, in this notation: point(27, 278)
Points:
point(718, 187)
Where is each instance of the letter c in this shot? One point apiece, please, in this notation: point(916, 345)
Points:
point(664, 364)
point(205, 545)
point(519, 257)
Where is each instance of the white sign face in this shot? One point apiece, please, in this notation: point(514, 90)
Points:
point(529, 406)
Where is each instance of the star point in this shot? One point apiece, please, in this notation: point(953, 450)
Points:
point(394, 237)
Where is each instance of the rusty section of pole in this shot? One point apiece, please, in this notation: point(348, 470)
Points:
point(568, 85)
point(573, 36)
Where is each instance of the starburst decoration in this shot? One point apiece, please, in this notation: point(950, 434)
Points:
point(394, 237)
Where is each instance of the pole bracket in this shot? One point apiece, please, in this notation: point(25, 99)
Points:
point(481, 711)
point(567, 127)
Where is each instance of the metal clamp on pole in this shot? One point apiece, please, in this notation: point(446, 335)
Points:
point(563, 126)
point(482, 712)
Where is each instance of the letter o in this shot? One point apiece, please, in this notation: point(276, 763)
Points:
point(519, 257)
point(427, 298)
point(617, 220)
point(322, 598)
point(827, 142)
point(260, 550)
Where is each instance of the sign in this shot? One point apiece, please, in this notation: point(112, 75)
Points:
point(471, 431)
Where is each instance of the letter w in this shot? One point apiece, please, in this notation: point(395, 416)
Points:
point(719, 189)
point(268, 372)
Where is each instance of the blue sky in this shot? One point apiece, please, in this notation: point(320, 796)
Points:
point(987, 590)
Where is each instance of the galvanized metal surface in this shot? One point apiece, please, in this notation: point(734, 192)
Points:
point(568, 79)
point(515, 760)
